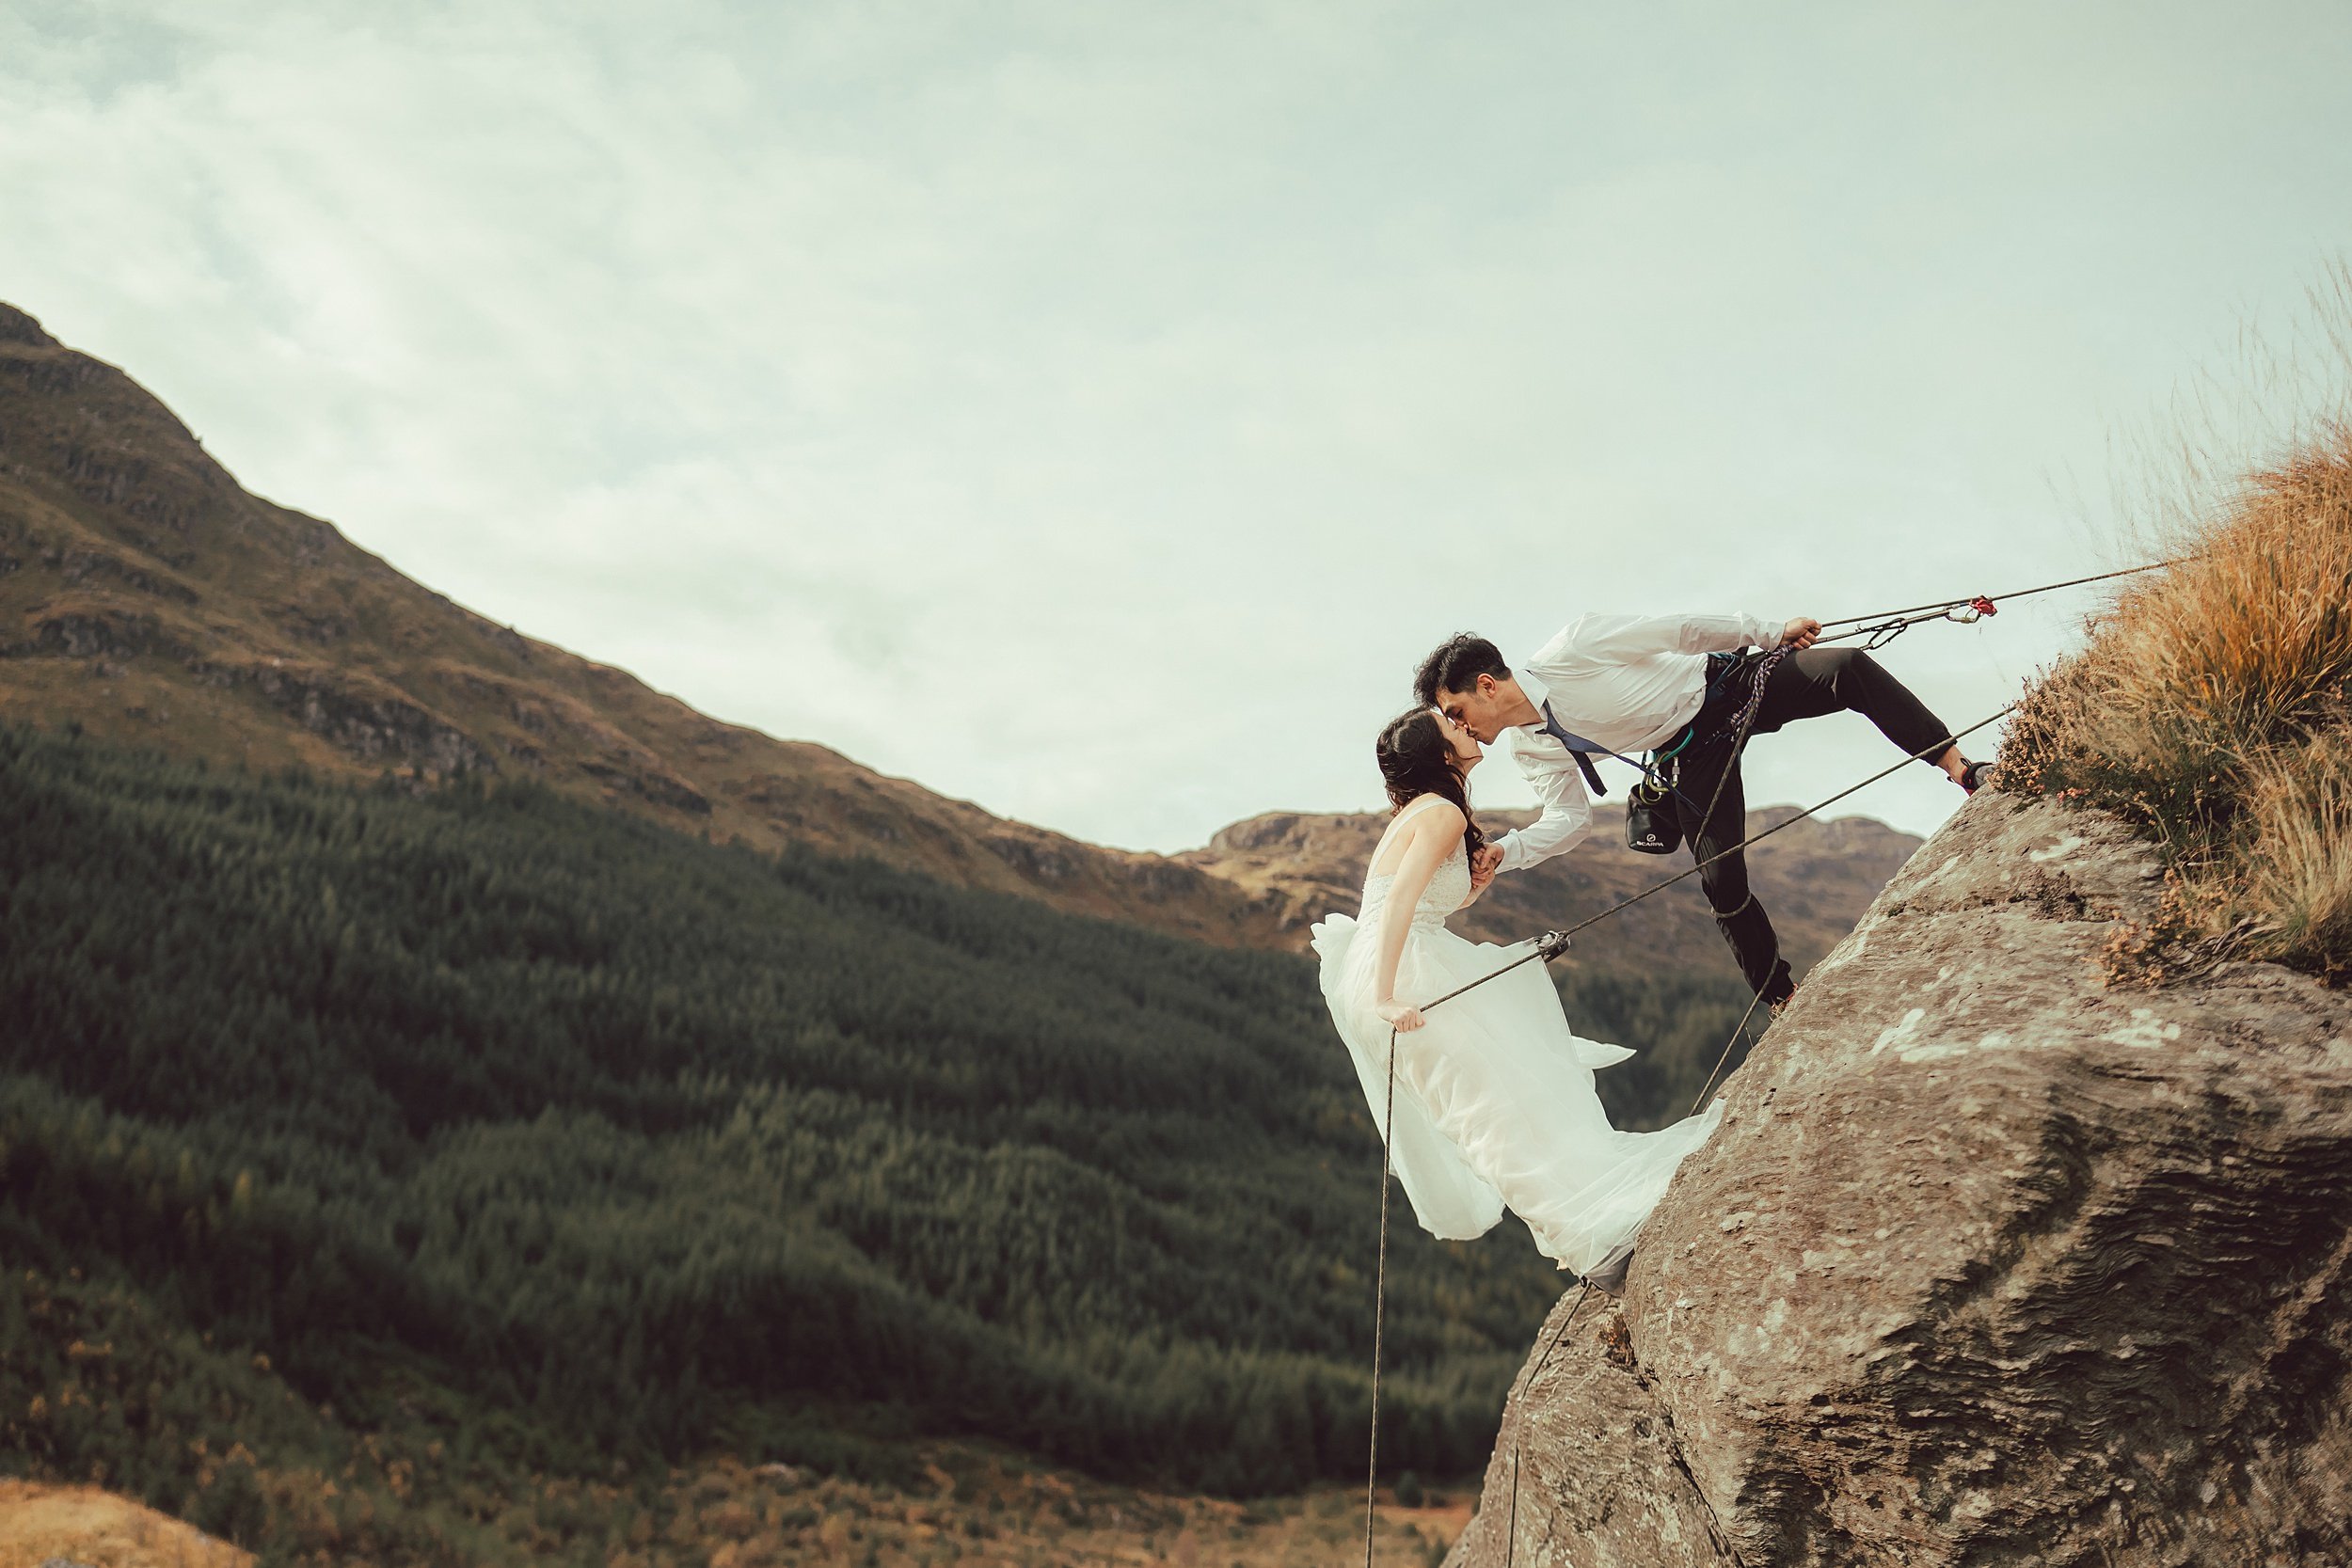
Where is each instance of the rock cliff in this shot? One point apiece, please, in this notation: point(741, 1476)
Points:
point(1990, 1262)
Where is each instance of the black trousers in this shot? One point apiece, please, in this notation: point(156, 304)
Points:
point(1803, 686)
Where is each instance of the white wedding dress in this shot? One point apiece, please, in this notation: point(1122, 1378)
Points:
point(1495, 1101)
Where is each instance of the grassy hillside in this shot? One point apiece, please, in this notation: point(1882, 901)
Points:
point(637, 1141)
point(353, 1126)
point(146, 596)
point(2213, 708)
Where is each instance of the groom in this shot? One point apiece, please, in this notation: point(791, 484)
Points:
point(1628, 684)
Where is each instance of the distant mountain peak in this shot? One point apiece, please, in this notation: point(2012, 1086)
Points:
point(18, 327)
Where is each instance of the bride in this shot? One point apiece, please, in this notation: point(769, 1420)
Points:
point(1495, 1101)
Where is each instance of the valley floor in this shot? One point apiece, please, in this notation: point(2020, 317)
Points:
point(81, 1524)
point(978, 1507)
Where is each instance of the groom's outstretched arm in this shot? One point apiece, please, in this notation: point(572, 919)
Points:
point(1567, 816)
point(1619, 638)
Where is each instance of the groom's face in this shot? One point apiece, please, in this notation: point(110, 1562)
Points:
point(1478, 710)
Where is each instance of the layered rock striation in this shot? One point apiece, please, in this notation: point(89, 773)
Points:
point(1992, 1261)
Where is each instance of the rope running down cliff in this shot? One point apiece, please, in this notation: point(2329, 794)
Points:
point(1548, 946)
point(1879, 628)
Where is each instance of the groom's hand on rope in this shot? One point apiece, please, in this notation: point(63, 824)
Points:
point(1802, 633)
point(1400, 1017)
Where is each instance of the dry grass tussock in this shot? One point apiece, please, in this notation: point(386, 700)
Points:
point(2213, 708)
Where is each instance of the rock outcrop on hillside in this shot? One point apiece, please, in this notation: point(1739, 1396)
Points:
point(1990, 1263)
point(1817, 877)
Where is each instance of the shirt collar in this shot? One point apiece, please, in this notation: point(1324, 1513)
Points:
point(1533, 686)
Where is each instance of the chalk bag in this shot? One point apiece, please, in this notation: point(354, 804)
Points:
point(1649, 818)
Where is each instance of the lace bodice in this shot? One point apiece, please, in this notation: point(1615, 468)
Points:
point(1449, 889)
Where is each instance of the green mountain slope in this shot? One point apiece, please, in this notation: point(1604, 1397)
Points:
point(637, 1140)
point(147, 595)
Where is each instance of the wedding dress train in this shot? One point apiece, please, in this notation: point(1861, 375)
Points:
point(1495, 1101)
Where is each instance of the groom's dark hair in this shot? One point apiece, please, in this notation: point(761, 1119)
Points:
point(1455, 666)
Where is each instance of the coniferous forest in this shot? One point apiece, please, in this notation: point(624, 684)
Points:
point(541, 1138)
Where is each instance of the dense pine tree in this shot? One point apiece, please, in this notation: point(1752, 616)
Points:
point(647, 1144)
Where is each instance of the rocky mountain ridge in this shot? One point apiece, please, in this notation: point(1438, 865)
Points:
point(1815, 876)
point(1992, 1261)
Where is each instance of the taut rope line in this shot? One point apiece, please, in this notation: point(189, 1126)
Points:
point(1511, 1525)
point(1548, 946)
point(1879, 628)
point(2018, 593)
point(1553, 943)
point(1737, 1030)
point(1888, 625)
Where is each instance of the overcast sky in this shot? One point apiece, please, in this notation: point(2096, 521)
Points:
point(1093, 410)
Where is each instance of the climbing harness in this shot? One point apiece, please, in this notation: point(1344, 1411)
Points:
point(1548, 948)
point(1877, 631)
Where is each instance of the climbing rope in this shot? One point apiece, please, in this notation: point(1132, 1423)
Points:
point(1883, 626)
point(1755, 705)
point(1546, 947)
point(1738, 1030)
point(1877, 630)
point(1553, 943)
point(1379, 1299)
point(1518, 1435)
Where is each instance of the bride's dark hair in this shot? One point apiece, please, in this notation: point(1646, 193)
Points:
point(1415, 761)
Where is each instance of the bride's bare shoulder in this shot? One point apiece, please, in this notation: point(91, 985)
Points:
point(1435, 813)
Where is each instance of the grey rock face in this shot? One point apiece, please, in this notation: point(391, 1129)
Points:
point(1988, 1263)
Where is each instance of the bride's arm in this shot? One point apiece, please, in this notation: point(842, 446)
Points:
point(1434, 834)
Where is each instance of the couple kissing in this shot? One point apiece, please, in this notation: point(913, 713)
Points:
point(1495, 1101)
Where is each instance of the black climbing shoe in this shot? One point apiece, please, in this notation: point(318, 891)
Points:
point(1609, 1279)
point(1977, 775)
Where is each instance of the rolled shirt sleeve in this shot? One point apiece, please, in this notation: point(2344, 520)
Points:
point(1567, 815)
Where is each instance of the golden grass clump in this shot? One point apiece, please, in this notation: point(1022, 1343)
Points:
point(2213, 708)
point(2300, 811)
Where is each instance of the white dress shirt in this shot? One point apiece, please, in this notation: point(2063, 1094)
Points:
point(1626, 682)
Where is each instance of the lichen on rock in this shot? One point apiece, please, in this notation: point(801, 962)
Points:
point(1989, 1262)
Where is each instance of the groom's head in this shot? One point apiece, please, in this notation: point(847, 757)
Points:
point(1466, 679)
